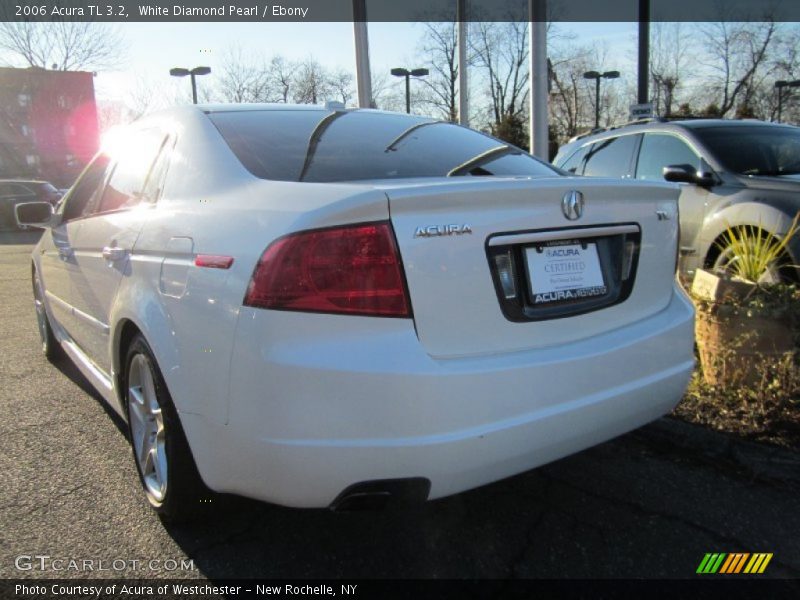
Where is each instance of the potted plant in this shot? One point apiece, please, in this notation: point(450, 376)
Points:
point(746, 316)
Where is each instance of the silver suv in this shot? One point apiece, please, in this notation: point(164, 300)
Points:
point(741, 174)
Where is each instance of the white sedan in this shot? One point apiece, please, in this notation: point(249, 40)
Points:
point(319, 307)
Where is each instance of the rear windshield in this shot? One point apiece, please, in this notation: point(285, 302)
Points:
point(754, 150)
point(324, 146)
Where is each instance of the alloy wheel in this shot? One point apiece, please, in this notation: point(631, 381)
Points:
point(147, 428)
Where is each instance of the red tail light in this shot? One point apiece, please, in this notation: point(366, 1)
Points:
point(351, 270)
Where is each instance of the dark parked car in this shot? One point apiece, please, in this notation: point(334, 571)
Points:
point(16, 191)
point(743, 174)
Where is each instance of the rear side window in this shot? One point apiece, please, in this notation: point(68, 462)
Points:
point(155, 180)
point(135, 156)
point(660, 150)
point(611, 157)
point(79, 201)
point(574, 164)
point(323, 146)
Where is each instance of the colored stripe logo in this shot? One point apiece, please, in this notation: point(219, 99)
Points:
point(736, 562)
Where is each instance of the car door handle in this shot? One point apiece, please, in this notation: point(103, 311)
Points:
point(113, 253)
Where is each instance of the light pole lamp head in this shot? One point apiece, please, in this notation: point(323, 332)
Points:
point(591, 75)
point(795, 83)
point(400, 72)
point(610, 75)
point(179, 72)
point(419, 72)
point(201, 71)
point(781, 84)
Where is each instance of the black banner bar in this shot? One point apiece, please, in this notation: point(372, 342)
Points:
point(391, 10)
point(703, 586)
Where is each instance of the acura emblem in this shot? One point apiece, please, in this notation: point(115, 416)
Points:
point(572, 205)
point(440, 230)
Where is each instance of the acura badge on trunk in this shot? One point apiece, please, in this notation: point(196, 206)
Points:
point(572, 205)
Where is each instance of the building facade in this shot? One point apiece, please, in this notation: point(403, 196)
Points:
point(48, 124)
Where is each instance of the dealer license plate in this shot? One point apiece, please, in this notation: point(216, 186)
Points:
point(564, 272)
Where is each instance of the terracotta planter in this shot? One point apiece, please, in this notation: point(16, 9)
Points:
point(734, 343)
point(734, 348)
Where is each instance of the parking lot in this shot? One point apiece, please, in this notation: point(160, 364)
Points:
point(649, 504)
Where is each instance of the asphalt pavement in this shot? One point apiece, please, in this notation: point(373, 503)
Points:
point(649, 504)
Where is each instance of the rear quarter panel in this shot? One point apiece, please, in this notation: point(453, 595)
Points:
point(212, 205)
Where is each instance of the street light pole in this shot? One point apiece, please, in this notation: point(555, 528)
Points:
point(597, 76)
point(181, 72)
point(400, 72)
point(194, 88)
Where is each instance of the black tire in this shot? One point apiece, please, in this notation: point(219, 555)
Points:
point(175, 490)
point(50, 347)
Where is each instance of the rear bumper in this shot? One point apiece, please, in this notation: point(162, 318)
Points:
point(316, 413)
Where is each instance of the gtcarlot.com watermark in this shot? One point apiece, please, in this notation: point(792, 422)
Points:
point(44, 562)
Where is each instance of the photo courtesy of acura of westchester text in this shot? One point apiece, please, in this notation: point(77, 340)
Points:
point(353, 292)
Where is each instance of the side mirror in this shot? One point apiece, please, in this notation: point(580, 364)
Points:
point(34, 214)
point(688, 174)
point(705, 179)
point(680, 173)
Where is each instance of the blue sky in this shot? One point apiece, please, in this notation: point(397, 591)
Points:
point(153, 48)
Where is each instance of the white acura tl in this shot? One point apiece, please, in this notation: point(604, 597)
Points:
point(321, 307)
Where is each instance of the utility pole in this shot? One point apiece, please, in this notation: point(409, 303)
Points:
point(644, 51)
point(539, 144)
point(463, 97)
point(361, 38)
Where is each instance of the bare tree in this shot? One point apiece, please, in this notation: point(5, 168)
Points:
point(311, 83)
point(63, 45)
point(440, 47)
point(281, 76)
point(501, 51)
point(671, 52)
point(341, 84)
point(242, 80)
point(385, 95)
point(570, 105)
point(145, 96)
point(111, 114)
point(738, 53)
point(786, 66)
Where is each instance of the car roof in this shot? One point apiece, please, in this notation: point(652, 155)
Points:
point(708, 123)
point(667, 125)
point(194, 109)
point(254, 106)
point(661, 124)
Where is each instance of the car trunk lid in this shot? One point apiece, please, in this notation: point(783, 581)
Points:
point(502, 265)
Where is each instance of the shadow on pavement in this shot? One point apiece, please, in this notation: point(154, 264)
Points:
point(647, 504)
point(68, 368)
